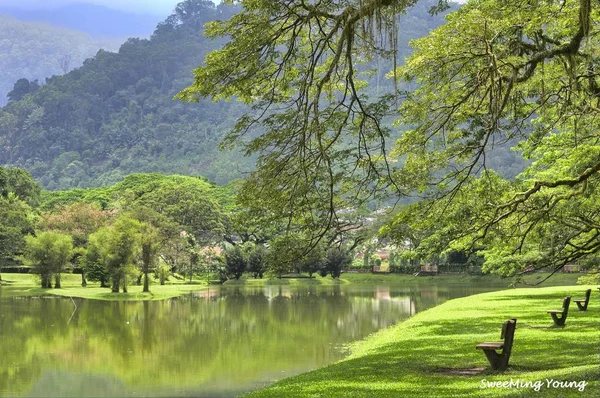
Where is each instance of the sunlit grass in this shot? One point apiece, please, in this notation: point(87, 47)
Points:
point(417, 357)
point(28, 285)
point(557, 279)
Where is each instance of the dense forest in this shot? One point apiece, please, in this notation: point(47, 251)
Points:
point(146, 224)
point(116, 115)
point(496, 75)
point(36, 50)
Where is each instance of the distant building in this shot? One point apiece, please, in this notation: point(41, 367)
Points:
point(429, 269)
point(570, 268)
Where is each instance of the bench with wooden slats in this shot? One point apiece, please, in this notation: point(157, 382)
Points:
point(582, 304)
point(490, 346)
point(560, 320)
point(499, 361)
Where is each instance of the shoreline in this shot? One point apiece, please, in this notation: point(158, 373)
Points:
point(26, 285)
point(433, 353)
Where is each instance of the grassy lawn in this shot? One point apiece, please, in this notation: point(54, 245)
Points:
point(28, 285)
point(425, 355)
point(368, 278)
point(556, 279)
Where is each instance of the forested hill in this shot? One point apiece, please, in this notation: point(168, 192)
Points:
point(116, 115)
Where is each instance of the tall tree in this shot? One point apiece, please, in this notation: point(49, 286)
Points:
point(497, 72)
point(150, 245)
point(15, 224)
point(49, 253)
point(21, 183)
point(79, 220)
point(321, 141)
point(21, 88)
point(235, 261)
point(117, 247)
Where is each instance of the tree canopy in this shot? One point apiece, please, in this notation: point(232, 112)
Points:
point(115, 114)
point(497, 73)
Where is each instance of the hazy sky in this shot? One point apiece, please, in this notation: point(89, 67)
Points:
point(160, 7)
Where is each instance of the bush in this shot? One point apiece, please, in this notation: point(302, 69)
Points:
point(162, 272)
point(337, 259)
point(404, 268)
point(312, 263)
point(256, 261)
point(358, 264)
point(235, 262)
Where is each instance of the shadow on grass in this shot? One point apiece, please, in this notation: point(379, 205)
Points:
point(463, 372)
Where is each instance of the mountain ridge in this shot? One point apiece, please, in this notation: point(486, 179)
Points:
point(33, 50)
point(100, 22)
point(115, 115)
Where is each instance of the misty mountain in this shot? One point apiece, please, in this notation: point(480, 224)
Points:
point(115, 115)
point(96, 20)
point(37, 50)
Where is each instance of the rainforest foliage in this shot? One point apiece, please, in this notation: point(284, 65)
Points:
point(520, 73)
point(331, 141)
point(147, 224)
point(115, 115)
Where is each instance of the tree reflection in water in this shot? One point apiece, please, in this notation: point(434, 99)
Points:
point(218, 341)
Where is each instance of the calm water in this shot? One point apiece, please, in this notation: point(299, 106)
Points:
point(217, 342)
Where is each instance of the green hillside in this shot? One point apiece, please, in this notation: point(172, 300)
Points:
point(116, 115)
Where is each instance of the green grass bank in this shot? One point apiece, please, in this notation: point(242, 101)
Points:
point(433, 353)
point(28, 284)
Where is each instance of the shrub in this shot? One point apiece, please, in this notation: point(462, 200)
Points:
point(337, 259)
point(235, 262)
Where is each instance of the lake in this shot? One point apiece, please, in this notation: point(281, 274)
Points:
point(217, 342)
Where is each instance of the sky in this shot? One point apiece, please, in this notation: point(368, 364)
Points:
point(157, 7)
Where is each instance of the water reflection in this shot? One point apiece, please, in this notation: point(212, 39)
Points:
point(215, 342)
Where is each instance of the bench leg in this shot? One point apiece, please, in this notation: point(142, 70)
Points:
point(559, 321)
point(497, 361)
point(582, 307)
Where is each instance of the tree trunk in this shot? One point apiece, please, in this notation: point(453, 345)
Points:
point(146, 283)
point(83, 281)
point(46, 281)
point(57, 281)
point(103, 283)
point(115, 285)
point(139, 279)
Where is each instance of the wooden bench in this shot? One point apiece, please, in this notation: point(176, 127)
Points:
point(560, 321)
point(499, 361)
point(582, 304)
